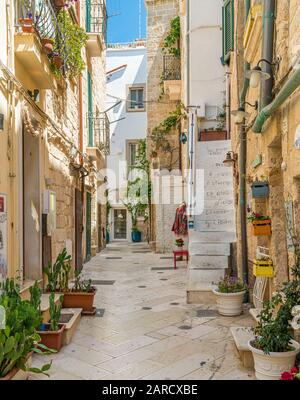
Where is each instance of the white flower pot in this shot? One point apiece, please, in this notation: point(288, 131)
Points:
point(270, 366)
point(229, 304)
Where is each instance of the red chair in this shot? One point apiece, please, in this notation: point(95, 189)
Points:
point(177, 253)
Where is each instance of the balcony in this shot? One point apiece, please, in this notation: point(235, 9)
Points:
point(100, 129)
point(96, 27)
point(172, 76)
point(37, 29)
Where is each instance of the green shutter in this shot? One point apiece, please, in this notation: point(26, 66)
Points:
point(88, 224)
point(90, 110)
point(88, 15)
point(228, 29)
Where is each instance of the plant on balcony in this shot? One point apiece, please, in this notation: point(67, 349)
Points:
point(261, 224)
point(68, 46)
point(19, 339)
point(171, 44)
point(273, 345)
point(160, 132)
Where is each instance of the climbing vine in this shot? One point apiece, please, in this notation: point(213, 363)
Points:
point(159, 135)
point(171, 44)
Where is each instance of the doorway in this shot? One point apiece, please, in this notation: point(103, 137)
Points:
point(120, 224)
point(32, 224)
point(78, 229)
point(88, 223)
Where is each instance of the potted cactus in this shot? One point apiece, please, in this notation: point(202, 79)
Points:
point(52, 332)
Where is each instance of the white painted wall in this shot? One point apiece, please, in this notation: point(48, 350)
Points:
point(134, 126)
point(207, 80)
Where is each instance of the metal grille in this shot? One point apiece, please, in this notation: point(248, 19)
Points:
point(99, 123)
point(98, 18)
point(172, 68)
point(45, 22)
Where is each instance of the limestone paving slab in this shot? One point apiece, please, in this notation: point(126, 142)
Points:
point(131, 343)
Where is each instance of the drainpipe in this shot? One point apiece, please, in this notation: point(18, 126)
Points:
point(242, 169)
point(80, 112)
point(288, 88)
point(267, 51)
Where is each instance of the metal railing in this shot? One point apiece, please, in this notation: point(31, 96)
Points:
point(171, 68)
point(45, 22)
point(98, 18)
point(99, 123)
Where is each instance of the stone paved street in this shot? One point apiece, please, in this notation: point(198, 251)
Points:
point(140, 335)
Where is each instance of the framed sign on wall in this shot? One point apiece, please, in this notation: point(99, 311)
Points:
point(3, 236)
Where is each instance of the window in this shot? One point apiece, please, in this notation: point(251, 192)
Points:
point(132, 153)
point(136, 95)
point(228, 29)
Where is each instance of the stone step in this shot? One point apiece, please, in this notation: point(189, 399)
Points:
point(208, 262)
point(209, 249)
point(241, 336)
point(200, 285)
point(254, 313)
point(209, 237)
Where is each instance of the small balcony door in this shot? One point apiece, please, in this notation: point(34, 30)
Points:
point(120, 224)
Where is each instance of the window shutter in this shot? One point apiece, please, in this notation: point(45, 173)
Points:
point(228, 29)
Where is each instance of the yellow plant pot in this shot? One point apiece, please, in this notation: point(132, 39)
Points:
point(263, 268)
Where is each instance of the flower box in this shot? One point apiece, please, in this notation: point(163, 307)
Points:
point(260, 190)
point(263, 268)
point(262, 227)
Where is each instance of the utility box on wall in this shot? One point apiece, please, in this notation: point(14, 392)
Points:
point(49, 208)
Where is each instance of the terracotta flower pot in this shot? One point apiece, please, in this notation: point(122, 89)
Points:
point(48, 45)
point(59, 3)
point(27, 25)
point(13, 372)
point(79, 300)
point(270, 366)
point(52, 339)
point(262, 227)
point(57, 61)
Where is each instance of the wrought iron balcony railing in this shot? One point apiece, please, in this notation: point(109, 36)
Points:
point(171, 68)
point(97, 18)
point(44, 20)
point(100, 127)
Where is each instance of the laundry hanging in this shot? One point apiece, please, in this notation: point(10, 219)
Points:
point(180, 226)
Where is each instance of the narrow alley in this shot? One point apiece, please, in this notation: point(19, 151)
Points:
point(147, 331)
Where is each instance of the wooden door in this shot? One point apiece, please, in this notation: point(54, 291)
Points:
point(78, 229)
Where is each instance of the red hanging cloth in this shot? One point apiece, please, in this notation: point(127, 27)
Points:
point(180, 226)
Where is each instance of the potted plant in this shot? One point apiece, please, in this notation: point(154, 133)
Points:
point(52, 332)
point(48, 45)
point(179, 242)
point(81, 295)
point(19, 339)
point(27, 23)
point(229, 295)
point(56, 60)
point(260, 223)
point(263, 267)
point(136, 235)
point(273, 348)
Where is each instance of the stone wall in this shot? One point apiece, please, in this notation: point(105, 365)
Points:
point(280, 158)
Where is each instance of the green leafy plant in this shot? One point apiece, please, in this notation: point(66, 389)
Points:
point(171, 44)
point(231, 284)
point(68, 45)
point(58, 273)
point(159, 135)
point(19, 338)
point(273, 331)
point(81, 285)
point(55, 312)
point(179, 242)
point(256, 217)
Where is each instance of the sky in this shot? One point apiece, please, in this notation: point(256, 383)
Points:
point(123, 20)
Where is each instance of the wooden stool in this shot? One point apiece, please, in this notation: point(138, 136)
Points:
point(177, 253)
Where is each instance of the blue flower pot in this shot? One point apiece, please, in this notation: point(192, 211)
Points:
point(136, 236)
point(260, 189)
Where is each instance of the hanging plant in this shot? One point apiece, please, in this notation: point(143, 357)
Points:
point(68, 46)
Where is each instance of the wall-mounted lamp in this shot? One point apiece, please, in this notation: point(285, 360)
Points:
point(230, 159)
point(256, 75)
point(183, 138)
point(240, 114)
